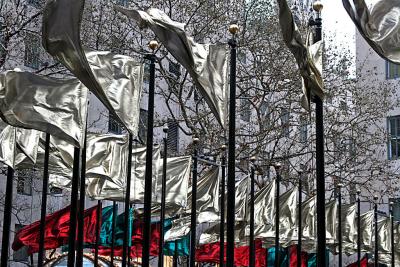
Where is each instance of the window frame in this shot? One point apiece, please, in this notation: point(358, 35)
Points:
point(391, 155)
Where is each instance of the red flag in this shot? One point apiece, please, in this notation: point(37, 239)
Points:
point(363, 263)
point(56, 231)
point(210, 253)
point(293, 257)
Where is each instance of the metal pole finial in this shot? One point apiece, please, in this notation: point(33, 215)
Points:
point(375, 197)
point(153, 45)
point(196, 140)
point(165, 129)
point(234, 28)
point(318, 6)
point(253, 159)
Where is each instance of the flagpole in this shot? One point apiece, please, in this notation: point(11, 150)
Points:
point(222, 209)
point(359, 228)
point(376, 256)
point(300, 227)
point(73, 208)
point(96, 248)
point(392, 233)
point(277, 207)
point(320, 158)
point(127, 202)
point(114, 220)
point(81, 210)
point(175, 258)
point(7, 217)
point(340, 222)
point(193, 219)
point(163, 193)
point(131, 231)
point(149, 159)
point(44, 200)
point(252, 185)
point(230, 214)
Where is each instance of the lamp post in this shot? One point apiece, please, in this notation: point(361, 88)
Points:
point(153, 45)
point(392, 233)
point(319, 149)
point(230, 218)
point(358, 228)
point(277, 167)
point(340, 222)
point(163, 194)
point(376, 255)
point(252, 185)
point(222, 209)
point(300, 227)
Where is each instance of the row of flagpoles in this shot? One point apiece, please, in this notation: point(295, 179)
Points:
point(348, 230)
point(64, 114)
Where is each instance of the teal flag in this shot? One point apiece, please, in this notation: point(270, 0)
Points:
point(120, 228)
point(179, 246)
point(312, 259)
point(106, 226)
point(283, 257)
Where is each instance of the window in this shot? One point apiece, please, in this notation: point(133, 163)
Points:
point(32, 51)
point(396, 208)
point(24, 185)
point(174, 68)
point(173, 136)
point(35, 3)
point(303, 129)
point(113, 125)
point(20, 255)
point(285, 116)
point(392, 70)
point(245, 109)
point(143, 125)
point(122, 2)
point(394, 137)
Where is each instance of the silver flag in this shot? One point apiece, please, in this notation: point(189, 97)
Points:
point(106, 157)
point(304, 56)
point(378, 22)
point(241, 194)
point(288, 215)
point(309, 223)
point(7, 146)
point(384, 239)
point(206, 63)
point(264, 211)
point(207, 203)
point(367, 224)
point(28, 142)
point(212, 234)
point(180, 228)
point(177, 181)
point(54, 106)
point(349, 228)
point(116, 80)
point(331, 221)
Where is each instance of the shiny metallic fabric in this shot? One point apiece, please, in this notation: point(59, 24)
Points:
point(206, 63)
point(7, 146)
point(180, 228)
point(349, 228)
point(367, 226)
point(211, 235)
point(28, 142)
point(54, 106)
point(288, 215)
point(106, 157)
point(177, 181)
point(116, 80)
point(309, 224)
point(331, 210)
point(264, 212)
point(307, 58)
point(241, 196)
point(207, 203)
point(378, 21)
point(384, 236)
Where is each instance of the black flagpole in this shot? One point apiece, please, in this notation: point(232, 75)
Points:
point(277, 207)
point(127, 202)
point(175, 258)
point(73, 208)
point(376, 255)
point(7, 217)
point(114, 220)
point(149, 160)
point(392, 233)
point(340, 223)
point(358, 228)
point(129, 245)
point(230, 213)
point(44, 200)
point(163, 193)
point(81, 210)
point(252, 185)
point(222, 209)
point(193, 217)
point(96, 248)
point(320, 158)
point(300, 227)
